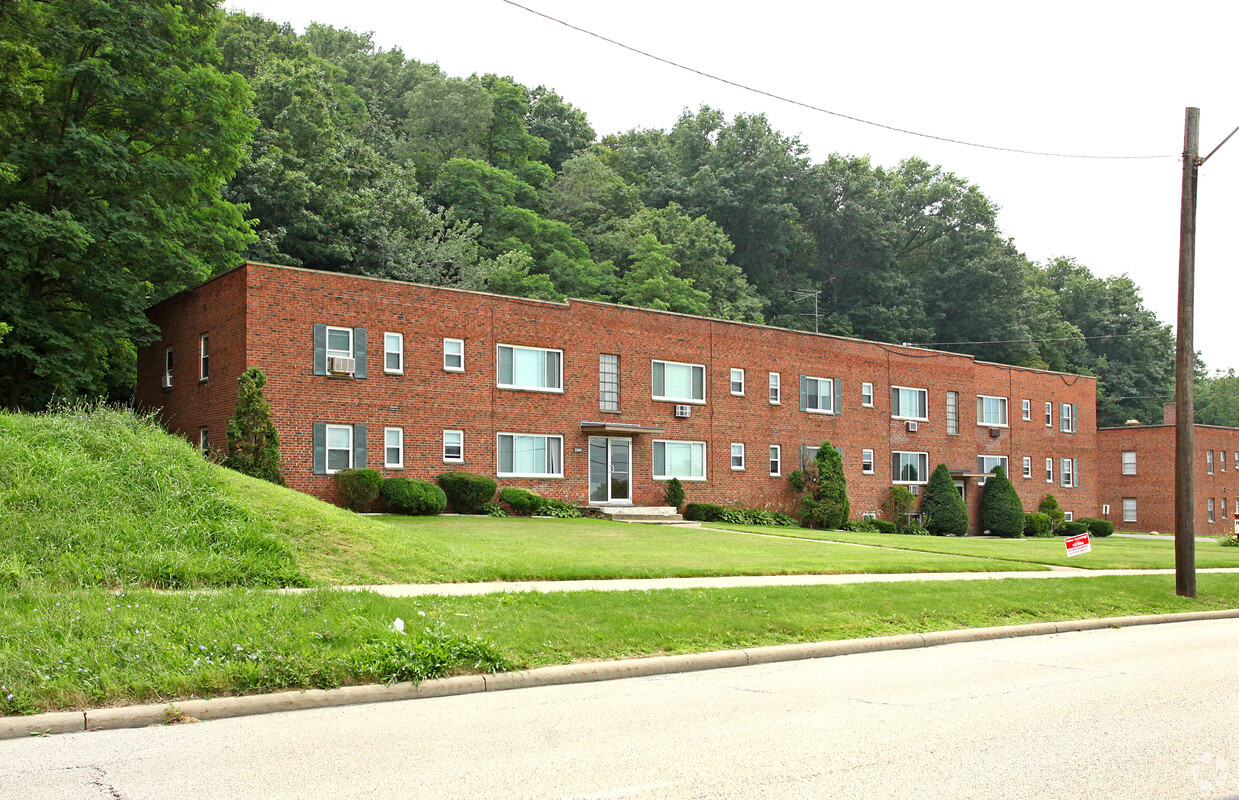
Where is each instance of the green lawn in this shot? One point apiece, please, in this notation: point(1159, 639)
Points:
point(1107, 553)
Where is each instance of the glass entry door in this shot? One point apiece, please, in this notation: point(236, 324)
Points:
point(610, 470)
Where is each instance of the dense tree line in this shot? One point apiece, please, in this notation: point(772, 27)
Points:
point(146, 144)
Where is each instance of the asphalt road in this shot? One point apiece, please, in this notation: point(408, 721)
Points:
point(1145, 712)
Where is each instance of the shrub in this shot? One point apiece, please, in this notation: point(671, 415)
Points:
point(824, 503)
point(755, 516)
point(1049, 505)
point(1037, 524)
point(1098, 527)
point(253, 443)
point(493, 510)
point(898, 504)
point(408, 496)
point(1074, 528)
point(550, 507)
point(884, 526)
point(674, 496)
point(860, 526)
point(914, 528)
point(1228, 541)
point(520, 501)
point(466, 491)
point(358, 487)
point(702, 512)
point(1002, 513)
point(942, 507)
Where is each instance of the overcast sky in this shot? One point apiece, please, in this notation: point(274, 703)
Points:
point(1086, 77)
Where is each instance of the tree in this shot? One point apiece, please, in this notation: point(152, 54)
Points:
point(942, 508)
point(253, 443)
point(1049, 506)
point(825, 504)
point(115, 143)
point(1002, 511)
point(897, 505)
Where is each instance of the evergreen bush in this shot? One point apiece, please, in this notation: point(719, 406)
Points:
point(897, 505)
point(409, 496)
point(252, 441)
point(466, 492)
point(674, 495)
point(358, 487)
point(702, 512)
point(1037, 523)
point(942, 508)
point(1098, 527)
point(1049, 505)
point(884, 526)
point(1074, 528)
point(825, 501)
point(520, 501)
point(860, 526)
point(1002, 512)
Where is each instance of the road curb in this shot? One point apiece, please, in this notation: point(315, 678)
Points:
point(224, 707)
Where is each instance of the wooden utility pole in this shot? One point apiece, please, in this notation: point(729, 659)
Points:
point(1185, 370)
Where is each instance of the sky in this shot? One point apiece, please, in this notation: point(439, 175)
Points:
point(1089, 77)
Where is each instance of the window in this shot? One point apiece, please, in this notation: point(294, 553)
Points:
point(1209, 461)
point(335, 348)
point(1221, 458)
point(909, 467)
point(1225, 506)
point(1026, 409)
point(204, 357)
point(532, 368)
point(454, 447)
point(909, 403)
point(393, 448)
point(866, 461)
point(339, 448)
point(817, 395)
point(866, 395)
point(454, 355)
point(339, 342)
point(776, 459)
point(530, 456)
point(775, 399)
point(737, 382)
point(952, 412)
point(204, 441)
point(393, 353)
point(683, 460)
point(167, 371)
point(1027, 466)
point(868, 515)
point(1211, 509)
point(1049, 470)
point(1049, 414)
point(1066, 418)
point(1129, 509)
point(737, 455)
point(991, 411)
point(1129, 462)
point(1066, 475)
point(683, 383)
point(608, 382)
point(1237, 459)
point(1068, 516)
point(987, 464)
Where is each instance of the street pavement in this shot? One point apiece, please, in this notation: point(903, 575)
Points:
point(1140, 712)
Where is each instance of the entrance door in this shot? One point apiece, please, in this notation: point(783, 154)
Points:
point(610, 470)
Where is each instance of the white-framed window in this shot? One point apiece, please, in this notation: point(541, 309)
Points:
point(204, 441)
point(1026, 410)
point(1224, 507)
point(1237, 506)
point(454, 447)
point(1221, 459)
point(1237, 460)
point(817, 395)
point(339, 342)
point(1129, 462)
point(1049, 470)
point(683, 460)
point(1068, 516)
point(1066, 418)
point(991, 411)
point(1209, 462)
point(393, 353)
point(1049, 414)
point(909, 467)
point(454, 355)
point(870, 515)
point(1211, 510)
point(952, 413)
point(682, 383)
point(866, 395)
point(1064, 472)
point(204, 357)
point(1129, 509)
point(737, 382)
point(393, 448)
point(909, 403)
point(1027, 466)
point(866, 461)
point(167, 371)
point(776, 460)
point(986, 464)
point(737, 455)
point(535, 369)
point(776, 398)
point(608, 382)
point(339, 447)
point(528, 455)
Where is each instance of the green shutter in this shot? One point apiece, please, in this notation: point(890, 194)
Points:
point(553, 371)
point(359, 352)
point(320, 445)
point(320, 349)
point(838, 404)
point(1075, 472)
point(699, 382)
point(660, 458)
point(1074, 412)
point(505, 366)
point(359, 446)
point(804, 393)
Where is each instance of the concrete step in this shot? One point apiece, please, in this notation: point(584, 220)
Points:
point(650, 515)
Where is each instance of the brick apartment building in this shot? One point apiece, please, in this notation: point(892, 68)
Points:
point(1136, 476)
point(596, 403)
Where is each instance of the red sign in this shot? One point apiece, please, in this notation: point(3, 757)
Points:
point(1078, 544)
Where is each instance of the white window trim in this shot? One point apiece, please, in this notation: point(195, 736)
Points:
point(1208, 462)
point(204, 355)
point(1210, 507)
point(399, 351)
point(669, 399)
point(461, 368)
point(1049, 470)
point(327, 448)
point(915, 419)
point(828, 397)
point(662, 477)
point(1026, 410)
point(400, 445)
point(776, 460)
point(1068, 516)
point(866, 455)
point(605, 404)
point(866, 390)
point(732, 382)
point(1123, 462)
point(1027, 466)
point(1135, 510)
point(338, 353)
point(169, 358)
point(548, 437)
point(734, 453)
point(1065, 415)
point(1049, 413)
point(1066, 477)
point(519, 387)
point(1003, 461)
point(776, 394)
point(459, 459)
point(922, 482)
point(981, 398)
point(204, 440)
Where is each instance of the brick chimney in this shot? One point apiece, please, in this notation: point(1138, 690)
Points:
point(1169, 414)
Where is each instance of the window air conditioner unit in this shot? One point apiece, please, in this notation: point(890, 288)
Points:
point(683, 411)
point(995, 433)
point(981, 481)
point(338, 365)
point(912, 426)
point(166, 382)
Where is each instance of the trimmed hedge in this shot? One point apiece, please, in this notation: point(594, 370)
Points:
point(466, 491)
point(1002, 513)
point(702, 512)
point(520, 501)
point(942, 507)
point(884, 525)
point(410, 496)
point(1038, 524)
point(1074, 528)
point(358, 487)
point(1098, 527)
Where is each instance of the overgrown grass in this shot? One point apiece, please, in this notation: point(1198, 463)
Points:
point(90, 648)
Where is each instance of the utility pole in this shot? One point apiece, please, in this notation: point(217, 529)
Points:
point(803, 294)
point(1185, 370)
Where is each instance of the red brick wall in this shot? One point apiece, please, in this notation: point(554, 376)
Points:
point(284, 304)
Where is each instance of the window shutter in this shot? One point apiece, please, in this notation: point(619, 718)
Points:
point(922, 405)
point(659, 384)
point(895, 467)
point(320, 444)
point(838, 404)
point(359, 354)
point(1075, 472)
point(1073, 417)
point(359, 447)
point(699, 382)
point(804, 393)
point(660, 458)
point(320, 350)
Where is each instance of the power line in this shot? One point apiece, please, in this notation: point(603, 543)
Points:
point(819, 109)
point(1043, 339)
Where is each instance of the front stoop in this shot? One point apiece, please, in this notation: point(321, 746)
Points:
point(648, 515)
